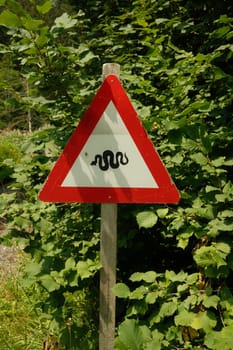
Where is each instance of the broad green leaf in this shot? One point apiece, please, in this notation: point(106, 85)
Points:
point(42, 38)
point(220, 32)
point(70, 263)
point(9, 19)
point(223, 339)
point(142, 22)
point(139, 293)
point(212, 255)
point(204, 320)
point(151, 297)
point(31, 24)
point(223, 247)
point(220, 161)
point(148, 276)
point(137, 276)
point(211, 301)
point(178, 158)
point(199, 158)
point(45, 8)
point(88, 56)
point(65, 21)
point(146, 219)
point(83, 269)
point(45, 226)
point(139, 307)
point(49, 283)
point(205, 212)
point(119, 345)
point(183, 239)
point(33, 269)
point(193, 278)
point(228, 162)
point(155, 341)
point(176, 277)
point(121, 290)
point(17, 7)
point(162, 212)
point(184, 318)
point(218, 73)
point(226, 213)
point(211, 189)
point(131, 335)
point(168, 309)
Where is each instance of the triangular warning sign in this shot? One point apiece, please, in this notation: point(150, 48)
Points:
point(109, 158)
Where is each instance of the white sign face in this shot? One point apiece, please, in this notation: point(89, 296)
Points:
point(110, 158)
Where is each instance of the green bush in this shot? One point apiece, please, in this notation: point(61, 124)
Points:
point(175, 263)
point(9, 154)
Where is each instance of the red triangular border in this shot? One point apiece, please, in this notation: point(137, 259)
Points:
point(110, 90)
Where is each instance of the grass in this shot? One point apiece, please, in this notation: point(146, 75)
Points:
point(20, 325)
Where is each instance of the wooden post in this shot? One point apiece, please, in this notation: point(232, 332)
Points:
point(108, 257)
point(108, 249)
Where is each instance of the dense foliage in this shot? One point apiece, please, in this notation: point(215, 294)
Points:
point(174, 262)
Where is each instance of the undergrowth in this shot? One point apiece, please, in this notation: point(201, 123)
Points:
point(20, 323)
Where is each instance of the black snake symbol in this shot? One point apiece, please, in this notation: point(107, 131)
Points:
point(107, 160)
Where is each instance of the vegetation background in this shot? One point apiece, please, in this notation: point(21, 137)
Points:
point(174, 262)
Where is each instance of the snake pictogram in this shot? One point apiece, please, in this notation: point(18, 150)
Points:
point(110, 160)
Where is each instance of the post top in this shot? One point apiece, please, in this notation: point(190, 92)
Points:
point(111, 68)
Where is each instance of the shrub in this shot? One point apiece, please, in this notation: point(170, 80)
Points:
point(9, 154)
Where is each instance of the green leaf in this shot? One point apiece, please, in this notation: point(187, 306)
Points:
point(184, 318)
point(137, 276)
point(199, 158)
point(214, 255)
point(218, 162)
point(179, 277)
point(151, 297)
point(211, 301)
point(146, 219)
point(9, 19)
point(162, 212)
point(44, 8)
point(168, 309)
point(204, 320)
point(220, 32)
point(83, 269)
point(70, 263)
point(139, 293)
point(65, 21)
point(119, 345)
point(223, 247)
point(31, 24)
point(138, 307)
point(211, 189)
point(148, 276)
point(220, 339)
point(183, 239)
point(33, 269)
point(121, 290)
point(131, 335)
point(49, 283)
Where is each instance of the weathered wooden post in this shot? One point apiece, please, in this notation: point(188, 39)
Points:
point(108, 253)
point(108, 257)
